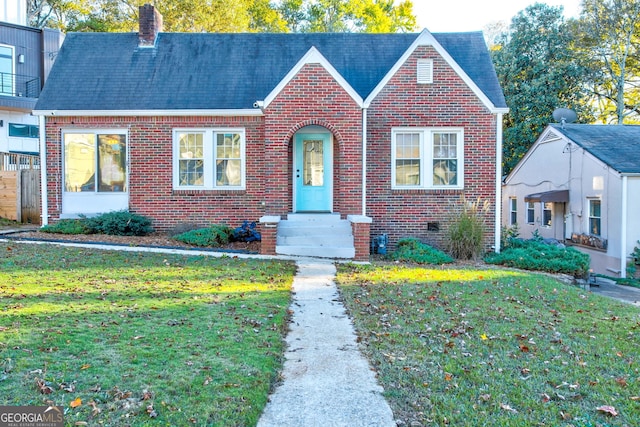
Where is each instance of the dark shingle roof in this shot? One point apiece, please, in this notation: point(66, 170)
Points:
point(618, 146)
point(108, 71)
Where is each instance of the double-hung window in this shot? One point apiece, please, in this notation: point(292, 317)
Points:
point(427, 158)
point(209, 159)
point(531, 213)
point(547, 209)
point(513, 211)
point(595, 217)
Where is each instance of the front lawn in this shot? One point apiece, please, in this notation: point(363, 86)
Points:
point(491, 347)
point(121, 338)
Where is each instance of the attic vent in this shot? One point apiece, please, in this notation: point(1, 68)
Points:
point(551, 136)
point(425, 71)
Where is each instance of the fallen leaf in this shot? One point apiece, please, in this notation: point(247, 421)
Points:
point(484, 337)
point(635, 398)
point(448, 377)
point(524, 348)
point(622, 382)
point(94, 408)
point(85, 366)
point(545, 397)
point(76, 402)
point(508, 408)
point(485, 397)
point(608, 409)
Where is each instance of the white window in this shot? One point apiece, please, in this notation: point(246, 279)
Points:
point(427, 158)
point(595, 209)
point(95, 161)
point(209, 159)
point(547, 208)
point(513, 211)
point(531, 213)
point(425, 71)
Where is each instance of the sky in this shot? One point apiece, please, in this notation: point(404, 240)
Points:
point(441, 16)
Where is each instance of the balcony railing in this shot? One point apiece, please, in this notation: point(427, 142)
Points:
point(19, 85)
point(15, 161)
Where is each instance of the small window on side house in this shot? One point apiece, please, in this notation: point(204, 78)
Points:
point(595, 217)
point(425, 71)
point(531, 213)
point(547, 208)
point(513, 211)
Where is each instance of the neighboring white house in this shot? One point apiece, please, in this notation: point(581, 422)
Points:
point(580, 184)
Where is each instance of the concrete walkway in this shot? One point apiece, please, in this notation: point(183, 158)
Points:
point(611, 289)
point(326, 381)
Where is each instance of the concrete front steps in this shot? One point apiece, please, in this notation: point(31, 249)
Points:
point(315, 235)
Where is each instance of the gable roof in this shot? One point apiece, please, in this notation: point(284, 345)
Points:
point(195, 71)
point(618, 146)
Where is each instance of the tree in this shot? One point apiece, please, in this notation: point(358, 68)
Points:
point(227, 15)
point(608, 37)
point(369, 16)
point(538, 74)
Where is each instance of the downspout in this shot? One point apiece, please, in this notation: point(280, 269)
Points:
point(623, 229)
point(44, 199)
point(498, 227)
point(364, 161)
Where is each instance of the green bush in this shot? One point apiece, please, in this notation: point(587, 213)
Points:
point(466, 232)
point(509, 234)
point(411, 249)
point(67, 226)
point(213, 236)
point(120, 223)
point(534, 255)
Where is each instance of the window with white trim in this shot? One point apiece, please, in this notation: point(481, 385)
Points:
point(531, 213)
point(547, 209)
point(208, 159)
point(513, 211)
point(427, 158)
point(595, 219)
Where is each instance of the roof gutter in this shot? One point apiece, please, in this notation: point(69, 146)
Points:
point(149, 113)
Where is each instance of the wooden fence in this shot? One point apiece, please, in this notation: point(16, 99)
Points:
point(20, 187)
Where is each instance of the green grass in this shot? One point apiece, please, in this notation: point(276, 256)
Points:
point(493, 347)
point(140, 339)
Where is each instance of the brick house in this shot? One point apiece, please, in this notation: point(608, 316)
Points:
point(383, 131)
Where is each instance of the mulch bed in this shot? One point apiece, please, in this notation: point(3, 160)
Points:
point(156, 240)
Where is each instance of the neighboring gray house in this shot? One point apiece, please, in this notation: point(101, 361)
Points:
point(580, 184)
point(26, 56)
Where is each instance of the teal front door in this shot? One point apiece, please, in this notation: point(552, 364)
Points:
point(313, 172)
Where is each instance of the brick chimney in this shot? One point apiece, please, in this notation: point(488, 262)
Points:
point(150, 25)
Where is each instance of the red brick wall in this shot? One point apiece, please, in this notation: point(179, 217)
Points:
point(313, 97)
point(448, 102)
point(151, 172)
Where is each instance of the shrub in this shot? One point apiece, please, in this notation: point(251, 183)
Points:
point(213, 236)
point(466, 232)
point(247, 232)
point(411, 249)
point(534, 255)
point(509, 234)
point(120, 223)
point(67, 226)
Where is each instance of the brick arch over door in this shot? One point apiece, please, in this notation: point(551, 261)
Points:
point(344, 201)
